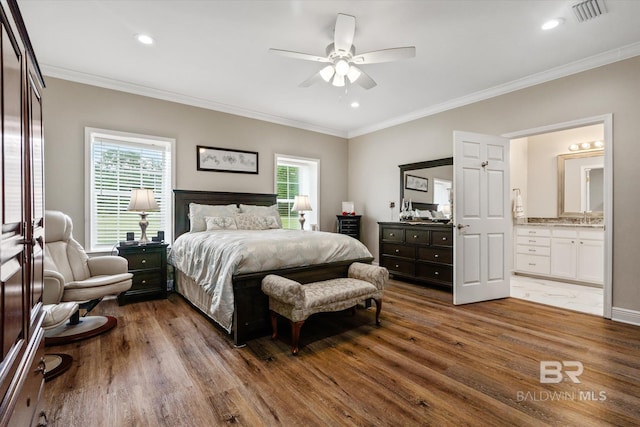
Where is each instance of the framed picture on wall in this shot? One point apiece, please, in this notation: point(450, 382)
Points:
point(417, 183)
point(215, 159)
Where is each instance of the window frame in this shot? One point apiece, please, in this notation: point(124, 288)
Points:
point(126, 138)
point(312, 217)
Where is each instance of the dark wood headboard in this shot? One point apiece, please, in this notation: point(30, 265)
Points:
point(182, 198)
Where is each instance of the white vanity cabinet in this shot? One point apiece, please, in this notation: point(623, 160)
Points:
point(572, 253)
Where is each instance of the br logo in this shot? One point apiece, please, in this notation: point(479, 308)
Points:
point(553, 371)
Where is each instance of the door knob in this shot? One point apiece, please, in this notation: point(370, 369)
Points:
point(460, 226)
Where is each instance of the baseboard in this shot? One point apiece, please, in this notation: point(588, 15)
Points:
point(625, 316)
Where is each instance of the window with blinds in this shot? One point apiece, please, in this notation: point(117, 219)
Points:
point(118, 163)
point(296, 176)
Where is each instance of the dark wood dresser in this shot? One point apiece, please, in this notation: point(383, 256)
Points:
point(418, 251)
point(148, 263)
point(349, 225)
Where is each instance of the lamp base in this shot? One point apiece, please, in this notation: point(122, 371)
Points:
point(143, 228)
point(301, 219)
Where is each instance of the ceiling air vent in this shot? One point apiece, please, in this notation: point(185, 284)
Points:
point(588, 9)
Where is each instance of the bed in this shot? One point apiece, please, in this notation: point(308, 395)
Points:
point(248, 311)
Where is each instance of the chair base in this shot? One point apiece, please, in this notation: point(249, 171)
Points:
point(56, 364)
point(89, 326)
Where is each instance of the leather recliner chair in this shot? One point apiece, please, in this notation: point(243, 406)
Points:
point(70, 275)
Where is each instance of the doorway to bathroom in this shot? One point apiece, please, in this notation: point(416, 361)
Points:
point(562, 221)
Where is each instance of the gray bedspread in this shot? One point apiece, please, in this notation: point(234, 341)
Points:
point(211, 258)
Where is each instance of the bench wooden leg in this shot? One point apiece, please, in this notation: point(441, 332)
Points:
point(295, 335)
point(274, 325)
point(378, 308)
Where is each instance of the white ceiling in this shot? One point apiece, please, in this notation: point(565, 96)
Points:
point(214, 54)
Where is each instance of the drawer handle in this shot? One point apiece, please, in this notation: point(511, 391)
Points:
point(531, 241)
point(532, 250)
point(144, 261)
point(436, 273)
point(444, 238)
point(435, 255)
point(533, 232)
point(532, 265)
point(397, 266)
point(391, 234)
point(144, 282)
point(397, 251)
point(415, 236)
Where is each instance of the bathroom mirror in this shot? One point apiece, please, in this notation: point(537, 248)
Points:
point(581, 184)
point(427, 184)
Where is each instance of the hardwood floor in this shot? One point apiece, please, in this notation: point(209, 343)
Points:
point(430, 363)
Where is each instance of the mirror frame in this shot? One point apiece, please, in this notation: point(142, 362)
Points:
point(561, 169)
point(420, 165)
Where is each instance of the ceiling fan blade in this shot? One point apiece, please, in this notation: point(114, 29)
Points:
point(311, 80)
point(356, 75)
point(298, 55)
point(385, 55)
point(344, 32)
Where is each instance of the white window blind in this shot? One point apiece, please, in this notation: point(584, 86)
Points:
point(296, 176)
point(117, 164)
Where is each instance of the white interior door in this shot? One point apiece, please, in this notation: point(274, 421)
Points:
point(482, 237)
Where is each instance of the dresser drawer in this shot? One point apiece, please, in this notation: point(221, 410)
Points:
point(392, 234)
point(439, 255)
point(435, 272)
point(398, 250)
point(441, 238)
point(146, 279)
point(417, 236)
point(533, 264)
point(399, 265)
point(144, 260)
point(533, 250)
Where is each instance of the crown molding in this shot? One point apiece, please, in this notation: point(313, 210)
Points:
point(119, 85)
point(575, 67)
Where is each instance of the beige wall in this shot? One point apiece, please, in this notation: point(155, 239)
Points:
point(69, 107)
point(374, 158)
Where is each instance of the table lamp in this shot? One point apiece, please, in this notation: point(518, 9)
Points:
point(300, 205)
point(142, 201)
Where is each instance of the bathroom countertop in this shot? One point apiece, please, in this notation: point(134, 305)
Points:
point(560, 224)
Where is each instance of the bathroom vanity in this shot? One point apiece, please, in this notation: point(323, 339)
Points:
point(561, 251)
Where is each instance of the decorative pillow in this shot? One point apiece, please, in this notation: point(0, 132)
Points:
point(220, 223)
point(249, 221)
point(263, 211)
point(198, 213)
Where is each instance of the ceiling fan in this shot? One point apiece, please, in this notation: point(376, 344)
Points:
point(342, 59)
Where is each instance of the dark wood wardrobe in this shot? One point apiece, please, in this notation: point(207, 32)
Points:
point(22, 239)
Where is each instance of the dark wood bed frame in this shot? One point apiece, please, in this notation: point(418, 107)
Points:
point(251, 306)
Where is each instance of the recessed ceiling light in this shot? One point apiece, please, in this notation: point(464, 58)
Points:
point(355, 104)
point(552, 23)
point(144, 39)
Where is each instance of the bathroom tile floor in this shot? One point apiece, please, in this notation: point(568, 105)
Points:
point(585, 299)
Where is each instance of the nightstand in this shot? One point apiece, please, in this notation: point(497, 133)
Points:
point(349, 225)
point(148, 263)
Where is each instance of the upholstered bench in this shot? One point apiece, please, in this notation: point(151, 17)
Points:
point(297, 302)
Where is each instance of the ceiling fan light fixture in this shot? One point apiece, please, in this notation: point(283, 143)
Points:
point(338, 80)
point(342, 67)
point(327, 72)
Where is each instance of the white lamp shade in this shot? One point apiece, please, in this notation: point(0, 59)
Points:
point(301, 203)
point(142, 200)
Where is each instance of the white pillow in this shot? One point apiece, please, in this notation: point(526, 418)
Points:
point(263, 211)
point(220, 223)
point(198, 213)
point(249, 221)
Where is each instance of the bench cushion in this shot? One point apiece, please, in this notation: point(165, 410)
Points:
point(333, 291)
